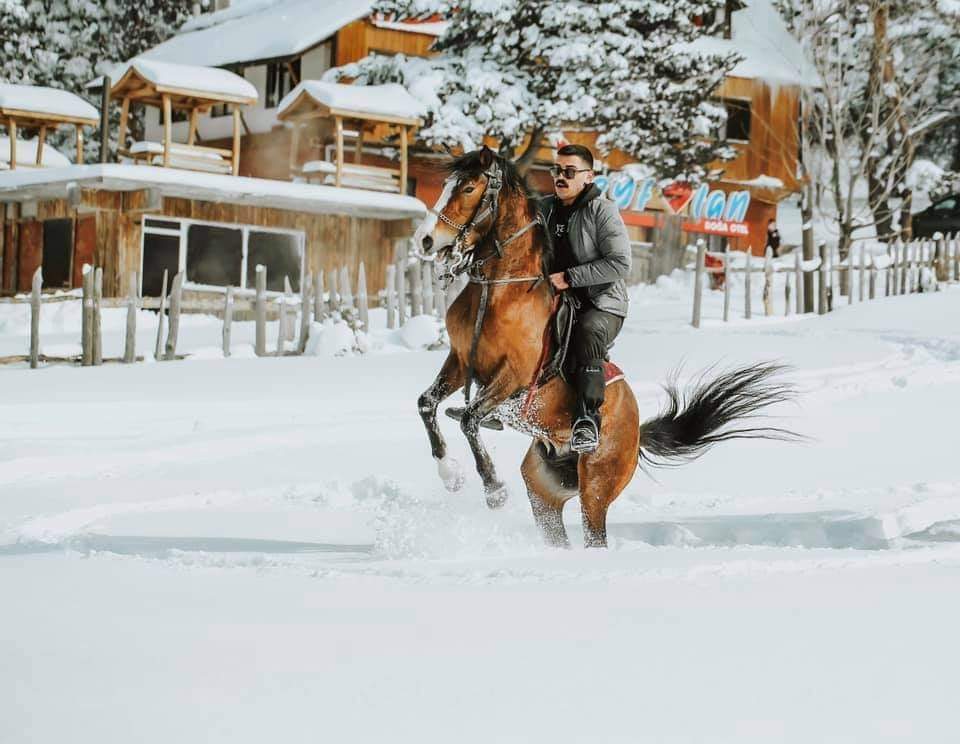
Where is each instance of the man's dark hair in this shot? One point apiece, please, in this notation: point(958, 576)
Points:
point(580, 151)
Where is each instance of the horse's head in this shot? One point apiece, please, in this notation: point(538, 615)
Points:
point(468, 208)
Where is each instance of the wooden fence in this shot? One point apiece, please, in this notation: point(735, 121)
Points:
point(917, 266)
point(411, 289)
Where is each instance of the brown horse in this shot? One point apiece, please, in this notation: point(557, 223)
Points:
point(486, 224)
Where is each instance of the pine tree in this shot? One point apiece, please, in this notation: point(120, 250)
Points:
point(518, 69)
point(67, 43)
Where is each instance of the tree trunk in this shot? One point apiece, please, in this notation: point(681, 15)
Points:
point(809, 249)
point(526, 159)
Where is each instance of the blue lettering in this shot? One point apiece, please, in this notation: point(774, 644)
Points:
point(737, 206)
point(644, 195)
point(715, 203)
point(621, 190)
point(699, 200)
point(601, 183)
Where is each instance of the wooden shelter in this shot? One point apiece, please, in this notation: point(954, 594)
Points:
point(374, 112)
point(35, 107)
point(184, 88)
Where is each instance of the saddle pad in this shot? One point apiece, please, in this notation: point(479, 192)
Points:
point(611, 373)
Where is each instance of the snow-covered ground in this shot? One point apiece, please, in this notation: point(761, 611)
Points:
point(253, 550)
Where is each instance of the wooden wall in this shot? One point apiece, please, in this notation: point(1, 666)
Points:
point(107, 232)
point(358, 39)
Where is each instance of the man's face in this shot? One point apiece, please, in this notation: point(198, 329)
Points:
point(569, 187)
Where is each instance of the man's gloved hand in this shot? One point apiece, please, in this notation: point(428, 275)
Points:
point(559, 280)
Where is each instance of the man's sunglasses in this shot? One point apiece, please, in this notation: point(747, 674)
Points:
point(569, 172)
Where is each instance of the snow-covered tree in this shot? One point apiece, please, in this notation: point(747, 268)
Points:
point(67, 43)
point(515, 70)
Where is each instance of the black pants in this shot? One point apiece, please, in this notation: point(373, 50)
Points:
point(593, 333)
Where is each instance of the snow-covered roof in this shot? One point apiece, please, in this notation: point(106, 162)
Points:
point(429, 28)
point(52, 183)
point(769, 51)
point(27, 154)
point(389, 101)
point(204, 82)
point(46, 103)
point(259, 30)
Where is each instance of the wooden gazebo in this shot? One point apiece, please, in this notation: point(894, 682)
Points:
point(192, 90)
point(373, 111)
point(43, 109)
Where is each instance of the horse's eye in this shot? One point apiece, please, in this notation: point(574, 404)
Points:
point(469, 189)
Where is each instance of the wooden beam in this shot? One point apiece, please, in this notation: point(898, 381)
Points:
point(236, 141)
point(358, 149)
point(167, 125)
point(12, 127)
point(124, 118)
point(194, 115)
point(79, 144)
point(294, 148)
point(41, 138)
point(403, 160)
point(293, 73)
point(339, 129)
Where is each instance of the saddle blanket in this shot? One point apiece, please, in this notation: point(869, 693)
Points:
point(611, 373)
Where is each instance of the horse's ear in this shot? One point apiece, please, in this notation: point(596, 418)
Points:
point(486, 157)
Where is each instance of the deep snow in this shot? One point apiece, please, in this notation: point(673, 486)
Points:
point(259, 549)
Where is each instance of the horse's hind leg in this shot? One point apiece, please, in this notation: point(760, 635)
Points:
point(549, 486)
point(449, 380)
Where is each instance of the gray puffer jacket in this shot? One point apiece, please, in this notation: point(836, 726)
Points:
point(601, 249)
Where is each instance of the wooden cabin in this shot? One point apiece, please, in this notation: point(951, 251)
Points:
point(39, 109)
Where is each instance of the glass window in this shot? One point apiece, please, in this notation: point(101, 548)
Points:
point(159, 252)
point(214, 255)
point(280, 253)
point(738, 119)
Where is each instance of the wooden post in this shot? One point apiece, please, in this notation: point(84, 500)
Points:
point(895, 265)
point(227, 320)
point(849, 281)
point(727, 281)
point(941, 260)
point(798, 276)
point(768, 283)
point(416, 291)
point(403, 159)
point(698, 282)
point(319, 301)
point(873, 282)
point(86, 341)
point(334, 295)
point(105, 120)
point(35, 318)
point(282, 326)
point(746, 283)
point(427, 282)
point(158, 349)
point(401, 291)
point(235, 155)
point(12, 131)
point(176, 298)
point(41, 139)
point(289, 309)
point(79, 144)
point(338, 123)
point(167, 126)
point(124, 118)
point(362, 300)
point(261, 310)
point(863, 270)
point(306, 296)
point(346, 294)
point(97, 321)
point(358, 145)
point(294, 148)
point(130, 340)
point(192, 131)
point(956, 257)
point(822, 305)
point(391, 297)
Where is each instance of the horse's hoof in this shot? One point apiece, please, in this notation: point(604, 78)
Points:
point(497, 497)
point(451, 473)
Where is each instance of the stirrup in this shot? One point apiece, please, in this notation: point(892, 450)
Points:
point(585, 438)
point(489, 422)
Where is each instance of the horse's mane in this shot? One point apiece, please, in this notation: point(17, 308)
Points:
point(469, 166)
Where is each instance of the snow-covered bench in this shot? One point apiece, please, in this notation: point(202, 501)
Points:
point(356, 176)
point(187, 157)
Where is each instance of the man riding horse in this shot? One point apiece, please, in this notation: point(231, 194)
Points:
point(591, 260)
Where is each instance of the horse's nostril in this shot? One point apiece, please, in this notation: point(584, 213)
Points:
point(427, 243)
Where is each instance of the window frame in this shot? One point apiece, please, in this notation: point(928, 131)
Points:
point(245, 231)
point(723, 100)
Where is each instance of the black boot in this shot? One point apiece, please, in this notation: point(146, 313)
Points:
point(586, 421)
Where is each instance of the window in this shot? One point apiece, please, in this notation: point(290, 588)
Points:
point(737, 128)
point(279, 81)
point(57, 252)
point(215, 256)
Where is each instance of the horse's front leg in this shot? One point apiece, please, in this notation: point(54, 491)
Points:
point(450, 379)
point(501, 387)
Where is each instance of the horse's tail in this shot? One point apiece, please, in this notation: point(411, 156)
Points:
point(695, 421)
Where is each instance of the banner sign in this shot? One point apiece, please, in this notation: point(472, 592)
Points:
point(715, 212)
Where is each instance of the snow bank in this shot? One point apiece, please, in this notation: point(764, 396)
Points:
point(39, 100)
point(384, 100)
point(27, 154)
